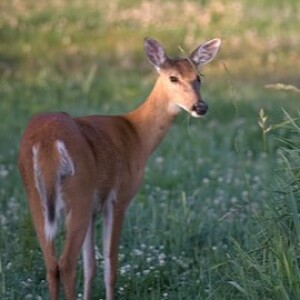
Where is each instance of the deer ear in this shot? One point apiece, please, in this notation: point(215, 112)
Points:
point(155, 52)
point(206, 52)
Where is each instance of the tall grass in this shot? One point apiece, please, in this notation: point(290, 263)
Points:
point(269, 268)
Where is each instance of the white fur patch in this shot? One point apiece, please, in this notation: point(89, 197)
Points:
point(50, 228)
point(107, 235)
point(195, 115)
point(107, 273)
point(88, 258)
point(66, 163)
point(38, 180)
point(66, 168)
point(174, 108)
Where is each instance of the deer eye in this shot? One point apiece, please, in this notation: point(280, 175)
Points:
point(174, 79)
point(198, 79)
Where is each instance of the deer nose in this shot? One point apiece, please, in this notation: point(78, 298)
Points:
point(200, 108)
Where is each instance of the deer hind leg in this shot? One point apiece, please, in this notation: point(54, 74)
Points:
point(46, 245)
point(52, 270)
point(37, 194)
point(113, 217)
point(77, 227)
point(77, 198)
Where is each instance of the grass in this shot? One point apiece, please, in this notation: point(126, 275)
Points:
point(217, 217)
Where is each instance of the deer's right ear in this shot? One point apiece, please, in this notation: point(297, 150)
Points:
point(155, 52)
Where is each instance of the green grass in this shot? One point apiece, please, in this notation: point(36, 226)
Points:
point(217, 217)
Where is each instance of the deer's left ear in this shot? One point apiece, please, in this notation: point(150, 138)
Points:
point(205, 53)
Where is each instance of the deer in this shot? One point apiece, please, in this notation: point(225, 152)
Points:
point(74, 168)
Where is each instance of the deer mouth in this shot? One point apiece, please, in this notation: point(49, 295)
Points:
point(199, 109)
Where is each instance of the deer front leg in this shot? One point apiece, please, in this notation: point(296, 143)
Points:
point(89, 264)
point(113, 216)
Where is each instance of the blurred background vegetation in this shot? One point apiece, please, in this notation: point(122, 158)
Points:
point(218, 215)
point(260, 38)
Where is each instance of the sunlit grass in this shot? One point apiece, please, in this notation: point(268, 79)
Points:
point(70, 35)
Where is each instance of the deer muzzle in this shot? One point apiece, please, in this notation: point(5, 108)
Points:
point(199, 109)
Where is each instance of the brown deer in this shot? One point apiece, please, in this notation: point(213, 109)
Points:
point(76, 167)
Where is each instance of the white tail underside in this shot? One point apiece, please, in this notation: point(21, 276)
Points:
point(65, 168)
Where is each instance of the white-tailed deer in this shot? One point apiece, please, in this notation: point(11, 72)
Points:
point(75, 167)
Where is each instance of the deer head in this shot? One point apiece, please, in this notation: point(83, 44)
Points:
point(179, 77)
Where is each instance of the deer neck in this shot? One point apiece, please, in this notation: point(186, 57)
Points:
point(153, 118)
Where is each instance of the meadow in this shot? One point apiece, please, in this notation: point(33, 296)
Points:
point(218, 214)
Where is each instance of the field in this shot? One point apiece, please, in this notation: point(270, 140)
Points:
point(218, 214)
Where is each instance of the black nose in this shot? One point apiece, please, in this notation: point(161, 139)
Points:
point(200, 108)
